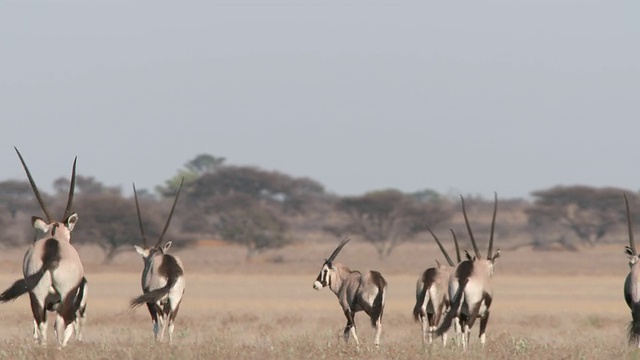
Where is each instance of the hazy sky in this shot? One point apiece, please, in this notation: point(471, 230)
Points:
point(458, 96)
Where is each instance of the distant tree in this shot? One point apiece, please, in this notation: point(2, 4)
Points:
point(589, 213)
point(268, 187)
point(427, 196)
point(193, 169)
point(85, 185)
point(387, 218)
point(248, 205)
point(110, 221)
point(256, 227)
point(16, 195)
point(204, 164)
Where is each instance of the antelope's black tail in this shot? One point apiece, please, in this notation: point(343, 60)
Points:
point(50, 260)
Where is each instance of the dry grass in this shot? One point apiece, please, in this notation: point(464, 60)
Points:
point(566, 306)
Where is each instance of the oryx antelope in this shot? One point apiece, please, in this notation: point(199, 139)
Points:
point(163, 280)
point(432, 296)
point(470, 287)
point(632, 283)
point(53, 272)
point(355, 291)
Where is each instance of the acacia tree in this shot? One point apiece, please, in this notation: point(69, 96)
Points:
point(388, 218)
point(247, 205)
point(85, 185)
point(193, 169)
point(110, 221)
point(589, 213)
point(253, 225)
point(16, 195)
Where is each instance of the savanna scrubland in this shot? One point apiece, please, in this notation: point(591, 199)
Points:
point(547, 305)
point(252, 243)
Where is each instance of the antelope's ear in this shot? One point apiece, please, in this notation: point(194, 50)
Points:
point(71, 221)
point(466, 253)
point(496, 255)
point(166, 246)
point(39, 224)
point(140, 250)
point(629, 252)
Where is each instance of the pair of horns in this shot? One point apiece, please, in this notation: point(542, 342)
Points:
point(337, 250)
point(166, 225)
point(493, 224)
point(444, 252)
point(67, 210)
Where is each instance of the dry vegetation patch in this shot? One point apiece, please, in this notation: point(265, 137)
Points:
point(569, 307)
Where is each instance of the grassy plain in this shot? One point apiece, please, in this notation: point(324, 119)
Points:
point(548, 305)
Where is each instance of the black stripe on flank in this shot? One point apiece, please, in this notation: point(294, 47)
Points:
point(427, 279)
point(464, 270)
point(51, 256)
point(170, 267)
point(80, 295)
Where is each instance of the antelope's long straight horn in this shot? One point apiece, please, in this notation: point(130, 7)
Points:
point(34, 187)
point(455, 241)
point(72, 188)
point(144, 237)
point(493, 225)
point(337, 250)
point(466, 221)
point(173, 207)
point(632, 244)
point(444, 252)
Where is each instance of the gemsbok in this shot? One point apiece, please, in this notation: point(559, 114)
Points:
point(632, 283)
point(432, 296)
point(163, 281)
point(470, 287)
point(355, 291)
point(53, 272)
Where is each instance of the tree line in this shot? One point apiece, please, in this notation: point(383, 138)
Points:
point(264, 210)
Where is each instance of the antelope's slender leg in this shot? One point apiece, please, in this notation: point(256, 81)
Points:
point(66, 318)
point(35, 331)
point(350, 329)
point(376, 340)
point(79, 323)
point(483, 327)
point(172, 318)
point(40, 319)
point(424, 324)
point(430, 322)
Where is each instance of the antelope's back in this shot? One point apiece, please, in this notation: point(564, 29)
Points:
point(163, 267)
point(69, 270)
point(371, 284)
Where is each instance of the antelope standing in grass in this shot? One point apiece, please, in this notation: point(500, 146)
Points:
point(432, 296)
point(355, 292)
point(470, 287)
point(163, 280)
point(632, 283)
point(53, 272)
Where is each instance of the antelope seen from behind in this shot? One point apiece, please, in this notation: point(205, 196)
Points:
point(632, 283)
point(470, 287)
point(432, 296)
point(53, 272)
point(163, 281)
point(355, 291)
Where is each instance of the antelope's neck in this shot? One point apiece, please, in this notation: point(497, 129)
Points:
point(339, 274)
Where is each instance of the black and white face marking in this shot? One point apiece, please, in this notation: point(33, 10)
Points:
point(323, 278)
point(631, 255)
